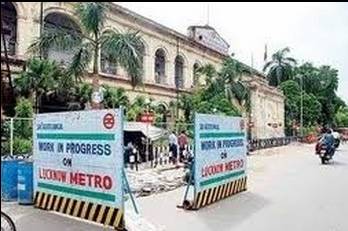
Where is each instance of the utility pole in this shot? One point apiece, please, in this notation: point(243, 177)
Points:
point(176, 80)
point(208, 14)
point(41, 25)
point(301, 116)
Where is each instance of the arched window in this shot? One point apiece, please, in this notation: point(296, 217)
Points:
point(107, 64)
point(160, 66)
point(9, 27)
point(142, 54)
point(60, 21)
point(195, 74)
point(179, 72)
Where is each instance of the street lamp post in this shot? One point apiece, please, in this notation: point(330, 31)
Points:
point(301, 113)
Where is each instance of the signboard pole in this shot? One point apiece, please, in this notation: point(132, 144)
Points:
point(127, 189)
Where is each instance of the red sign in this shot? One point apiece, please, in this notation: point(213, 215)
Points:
point(109, 121)
point(147, 117)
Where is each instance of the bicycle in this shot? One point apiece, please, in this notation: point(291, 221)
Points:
point(7, 223)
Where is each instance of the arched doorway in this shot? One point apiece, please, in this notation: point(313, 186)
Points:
point(107, 64)
point(8, 27)
point(59, 21)
point(8, 49)
point(179, 72)
point(160, 66)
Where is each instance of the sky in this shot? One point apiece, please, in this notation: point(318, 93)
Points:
point(316, 32)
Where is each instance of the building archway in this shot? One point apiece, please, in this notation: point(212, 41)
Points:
point(179, 72)
point(9, 27)
point(60, 21)
point(107, 64)
point(160, 66)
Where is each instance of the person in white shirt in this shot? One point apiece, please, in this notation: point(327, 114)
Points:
point(173, 146)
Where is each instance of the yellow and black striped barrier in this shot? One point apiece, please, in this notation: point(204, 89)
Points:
point(98, 213)
point(212, 195)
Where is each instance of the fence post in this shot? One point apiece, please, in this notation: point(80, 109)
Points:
point(11, 136)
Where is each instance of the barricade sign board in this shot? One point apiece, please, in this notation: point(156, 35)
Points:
point(220, 158)
point(78, 164)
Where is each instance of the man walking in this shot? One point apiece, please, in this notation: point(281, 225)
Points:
point(182, 140)
point(173, 146)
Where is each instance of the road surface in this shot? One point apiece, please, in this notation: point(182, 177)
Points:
point(288, 190)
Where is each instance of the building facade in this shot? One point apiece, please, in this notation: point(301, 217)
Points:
point(169, 57)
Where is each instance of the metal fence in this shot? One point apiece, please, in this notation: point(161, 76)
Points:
point(257, 144)
point(16, 137)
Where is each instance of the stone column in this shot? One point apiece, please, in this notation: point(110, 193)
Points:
point(170, 73)
point(27, 31)
point(149, 68)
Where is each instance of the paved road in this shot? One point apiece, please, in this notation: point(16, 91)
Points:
point(288, 190)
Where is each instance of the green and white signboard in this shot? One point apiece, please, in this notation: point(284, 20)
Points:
point(78, 164)
point(220, 158)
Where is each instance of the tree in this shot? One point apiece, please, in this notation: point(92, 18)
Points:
point(186, 104)
point(23, 124)
point(291, 90)
point(124, 48)
point(232, 72)
point(138, 106)
point(115, 97)
point(322, 83)
point(310, 77)
point(311, 110)
point(326, 94)
point(228, 81)
point(280, 68)
point(40, 77)
point(311, 105)
point(341, 117)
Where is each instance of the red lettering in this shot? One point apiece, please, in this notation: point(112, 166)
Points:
point(91, 180)
point(107, 182)
point(89, 176)
point(55, 175)
point(82, 179)
point(73, 178)
point(97, 182)
point(212, 170)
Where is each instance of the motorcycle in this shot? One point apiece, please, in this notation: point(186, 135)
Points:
point(324, 154)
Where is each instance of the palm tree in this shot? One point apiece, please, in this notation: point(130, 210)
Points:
point(280, 67)
point(40, 77)
point(236, 89)
point(123, 48)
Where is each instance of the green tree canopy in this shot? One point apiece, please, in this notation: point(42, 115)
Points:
point(280, 68)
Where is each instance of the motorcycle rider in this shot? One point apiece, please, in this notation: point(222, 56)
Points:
point(329, 141)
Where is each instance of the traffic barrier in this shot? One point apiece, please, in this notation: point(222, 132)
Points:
point(91, 188)
point(214, 194)
point(25, 182)
point(98, 213)
point(9, 174)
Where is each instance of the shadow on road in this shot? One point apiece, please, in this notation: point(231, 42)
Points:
point(338, 163)
point(239, 208)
